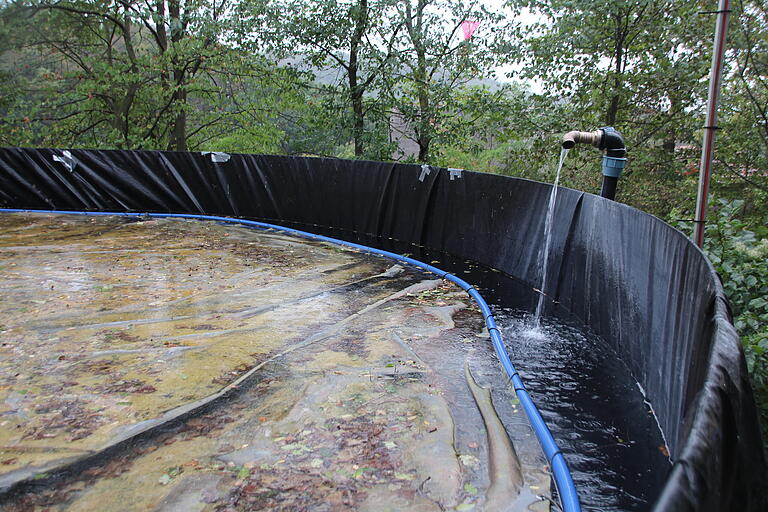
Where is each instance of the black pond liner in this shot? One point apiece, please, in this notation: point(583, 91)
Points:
point(632, 279)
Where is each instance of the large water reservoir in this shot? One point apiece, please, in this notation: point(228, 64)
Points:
point(636, 370)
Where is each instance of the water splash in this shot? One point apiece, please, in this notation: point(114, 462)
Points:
point(530, 335)
point(547, 241)
point(593, 405)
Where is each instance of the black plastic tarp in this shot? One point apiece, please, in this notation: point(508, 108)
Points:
point(634, 280)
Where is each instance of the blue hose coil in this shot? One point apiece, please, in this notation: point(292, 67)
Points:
point(569, 498)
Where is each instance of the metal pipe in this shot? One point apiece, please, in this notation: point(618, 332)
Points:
point(710, 125)
point(572, 138)
point(612, 142)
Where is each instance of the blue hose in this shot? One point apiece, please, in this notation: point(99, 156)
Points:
point(569, 499)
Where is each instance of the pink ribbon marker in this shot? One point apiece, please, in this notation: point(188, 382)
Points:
point(469, 27)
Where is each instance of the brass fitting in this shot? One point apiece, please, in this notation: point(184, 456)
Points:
point(570, 139)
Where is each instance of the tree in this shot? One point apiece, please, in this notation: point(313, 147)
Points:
point(638, 65)
point(742, 143)
point(354, 38)
point(434, 62)
point(616, 55)
point(125, 74)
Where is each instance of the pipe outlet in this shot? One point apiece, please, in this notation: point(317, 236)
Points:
point(572, 138)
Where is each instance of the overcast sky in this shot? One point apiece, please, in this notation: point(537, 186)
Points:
point(502, 71)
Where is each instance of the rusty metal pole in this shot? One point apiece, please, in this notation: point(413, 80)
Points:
point(710, 125)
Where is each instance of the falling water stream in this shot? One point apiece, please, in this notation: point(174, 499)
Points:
point(547, 241)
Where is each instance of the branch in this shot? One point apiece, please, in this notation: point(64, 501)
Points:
point(74, 10)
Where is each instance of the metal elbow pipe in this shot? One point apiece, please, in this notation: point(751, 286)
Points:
point(574, 137)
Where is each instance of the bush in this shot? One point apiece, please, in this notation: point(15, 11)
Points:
point(740, 256)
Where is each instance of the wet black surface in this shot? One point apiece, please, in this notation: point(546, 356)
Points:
point(594, 408)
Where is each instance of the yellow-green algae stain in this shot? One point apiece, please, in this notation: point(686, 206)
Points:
point(108, 322)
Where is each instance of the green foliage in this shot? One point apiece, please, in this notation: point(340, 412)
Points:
point(349, 45)
point(629, 62)
point(742, 144)
point(636, 65)
point(740, 256)
point(433, 66)
point(163, 75)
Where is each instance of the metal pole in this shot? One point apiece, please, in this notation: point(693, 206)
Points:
point(715, 76)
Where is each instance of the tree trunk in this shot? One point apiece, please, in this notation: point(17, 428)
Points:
point(670, 140)
point(178, 139)
point(123, 107)
point(613, 110)
point(618, 53)
point(424, 133)
point(424, 149)
point(178, 132)
point(423, 126)
point(356, 90)
point(358, 128)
